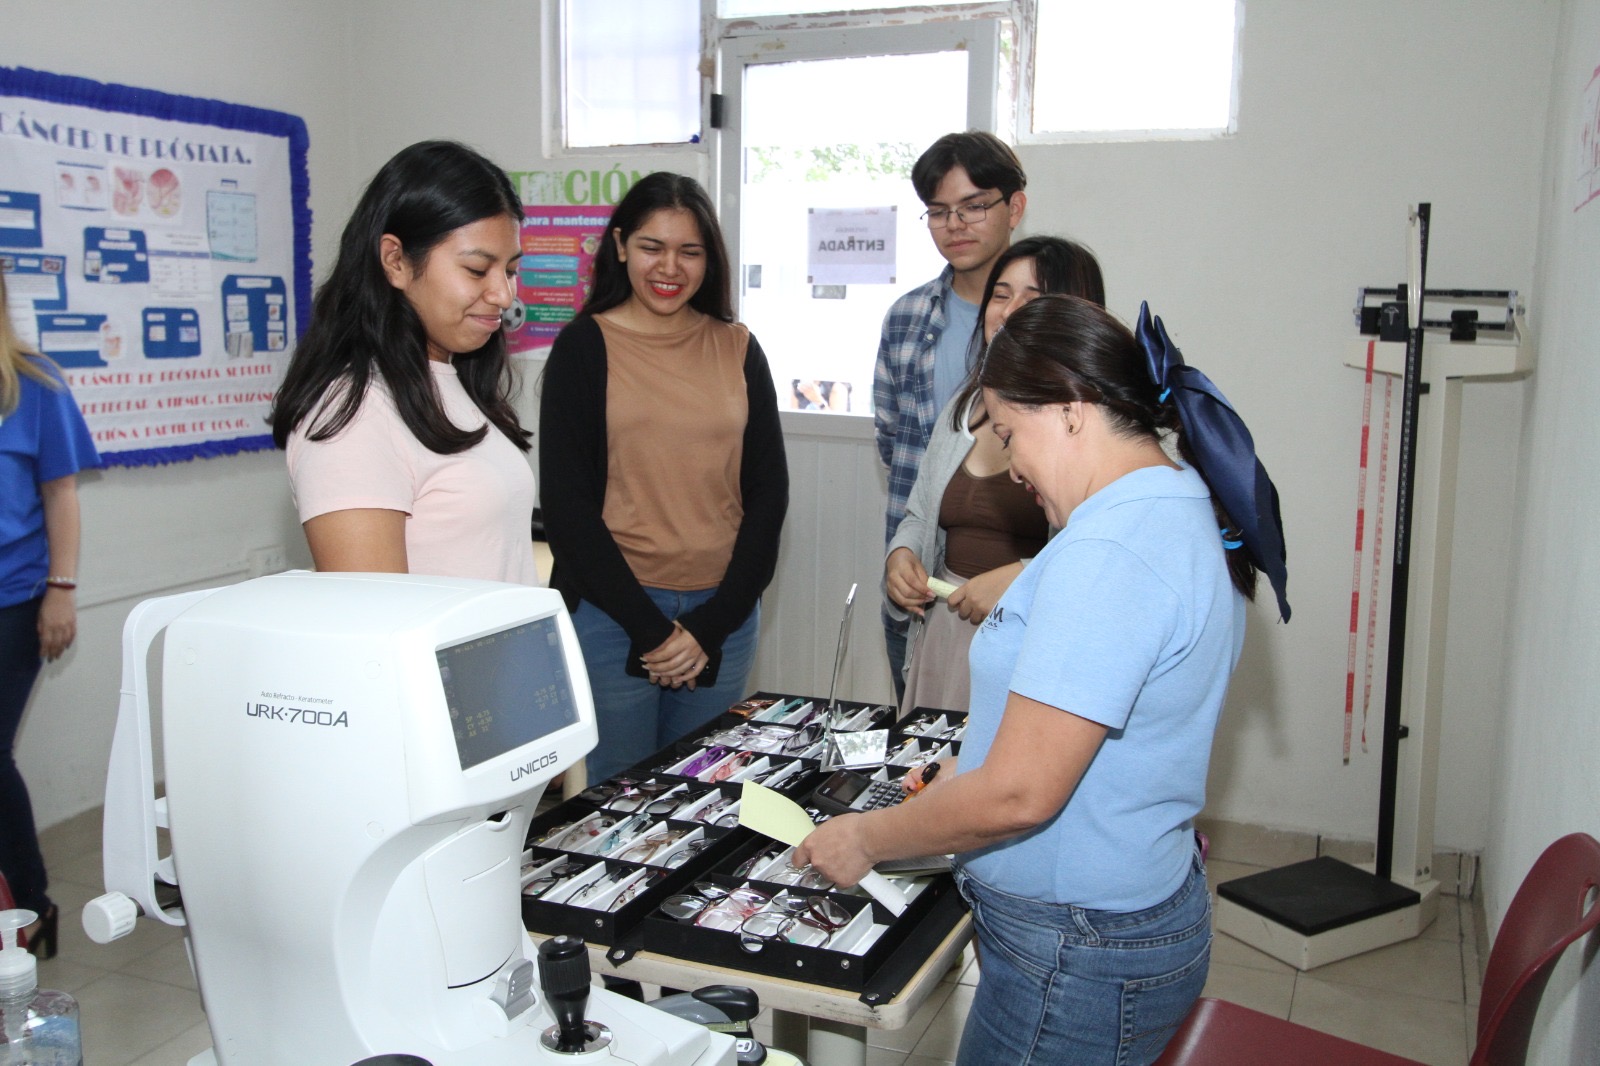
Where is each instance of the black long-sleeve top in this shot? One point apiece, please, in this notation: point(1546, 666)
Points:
point(573, 454)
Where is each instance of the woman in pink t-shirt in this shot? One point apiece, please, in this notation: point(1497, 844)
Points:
point(405, 455)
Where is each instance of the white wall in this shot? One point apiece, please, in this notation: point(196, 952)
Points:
point(1550, 735)
point(1252, 249)
point(152, 530)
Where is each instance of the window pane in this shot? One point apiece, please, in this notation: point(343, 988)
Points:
point(1134, 65)
point(733, 9)
point(632, 80)
point(823, 136)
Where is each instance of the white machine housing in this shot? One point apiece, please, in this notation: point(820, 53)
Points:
point(352, 761)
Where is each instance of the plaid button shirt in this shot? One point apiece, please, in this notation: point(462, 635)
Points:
point(903, 410)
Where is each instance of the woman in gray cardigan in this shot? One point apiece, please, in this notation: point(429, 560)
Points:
point(967, 523)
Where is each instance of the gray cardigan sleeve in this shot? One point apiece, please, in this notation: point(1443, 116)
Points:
point(920, 530)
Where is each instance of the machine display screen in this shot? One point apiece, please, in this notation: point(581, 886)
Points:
point(506, 689)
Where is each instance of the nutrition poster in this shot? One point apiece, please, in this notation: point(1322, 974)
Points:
point(158, 247)
point(558, 249)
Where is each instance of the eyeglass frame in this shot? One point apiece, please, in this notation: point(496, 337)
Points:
point(737, 905)
point(634, 890)
point(592, 825)
point(732, 765)
point(676, 858)
point(561, 871)
point(600, 885)
point(653, 845)
point(623, 830)
point(942, 214)
point(642, 793)
point(812, 914)
point(669, 803)
point(705, 760)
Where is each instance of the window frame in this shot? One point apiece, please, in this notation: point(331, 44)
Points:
point(553, 85)
point(835, 42)
point(1014, 81)
point(1022, 128)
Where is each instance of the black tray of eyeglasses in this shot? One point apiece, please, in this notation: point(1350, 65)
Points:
point(787, 928)
point(578, 881)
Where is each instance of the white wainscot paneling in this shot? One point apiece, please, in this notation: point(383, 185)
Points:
point(833, 537)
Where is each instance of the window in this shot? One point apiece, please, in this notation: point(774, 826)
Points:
point(1133, 68)
point(632, 79)
point(820, 132)
point(1096, 70)
point(826, 103)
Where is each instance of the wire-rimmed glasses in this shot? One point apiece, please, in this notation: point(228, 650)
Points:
point(674, 859)
point(621, 832)
point(816, 917)
point(634, 890)
point(938, 217)
point(651, 846)
point(563, 837)
point(670, 803)
point(606, 791)
point(636, 797)
point(600, 885)
point(759, 860)
point(731, 766)
point(729, 912)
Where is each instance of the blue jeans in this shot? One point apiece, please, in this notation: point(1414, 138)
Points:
point(20, 860)
point(1061, 984)
point(894, 641)
point(637, 719)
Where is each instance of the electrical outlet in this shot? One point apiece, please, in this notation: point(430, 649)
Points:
point(272, 560)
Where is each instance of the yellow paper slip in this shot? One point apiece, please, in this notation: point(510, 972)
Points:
point(772, 814)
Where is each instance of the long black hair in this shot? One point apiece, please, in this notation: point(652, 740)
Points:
point(1062, 349)
point(361, 324)
point(1059, 266)
point(662, 191)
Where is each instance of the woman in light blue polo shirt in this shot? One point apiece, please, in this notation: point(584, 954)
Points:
point(1097, 681)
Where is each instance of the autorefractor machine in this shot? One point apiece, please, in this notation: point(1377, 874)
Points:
point(352, 761)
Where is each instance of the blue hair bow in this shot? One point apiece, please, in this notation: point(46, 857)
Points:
point(1224, 452)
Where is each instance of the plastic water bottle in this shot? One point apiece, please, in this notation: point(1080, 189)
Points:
point(38, 1026)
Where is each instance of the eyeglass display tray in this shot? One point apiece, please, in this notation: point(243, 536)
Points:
point(875, 935)
point(883, 955)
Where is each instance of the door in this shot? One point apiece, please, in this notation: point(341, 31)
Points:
point(814, 182)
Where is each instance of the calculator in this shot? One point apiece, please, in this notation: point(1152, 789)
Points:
point(847, 792)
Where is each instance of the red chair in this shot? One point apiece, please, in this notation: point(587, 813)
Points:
point(1556, 905)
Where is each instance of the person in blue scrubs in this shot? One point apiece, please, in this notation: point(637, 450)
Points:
point(1097, 681)
point(43, 444)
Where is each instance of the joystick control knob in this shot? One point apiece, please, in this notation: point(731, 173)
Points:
point(564, 978)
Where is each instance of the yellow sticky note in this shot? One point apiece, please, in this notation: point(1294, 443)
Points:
point(773, 814)
point(781, 818)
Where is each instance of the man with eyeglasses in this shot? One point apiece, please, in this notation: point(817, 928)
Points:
point(972, 185)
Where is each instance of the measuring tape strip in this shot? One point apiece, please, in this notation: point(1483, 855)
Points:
point(1377, 556)
point(1355, 572)
point(1360, 550)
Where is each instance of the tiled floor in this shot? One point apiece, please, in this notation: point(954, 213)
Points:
point(1417, 999)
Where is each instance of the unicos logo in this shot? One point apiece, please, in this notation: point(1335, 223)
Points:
point(297, 715)
point(533, 766)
